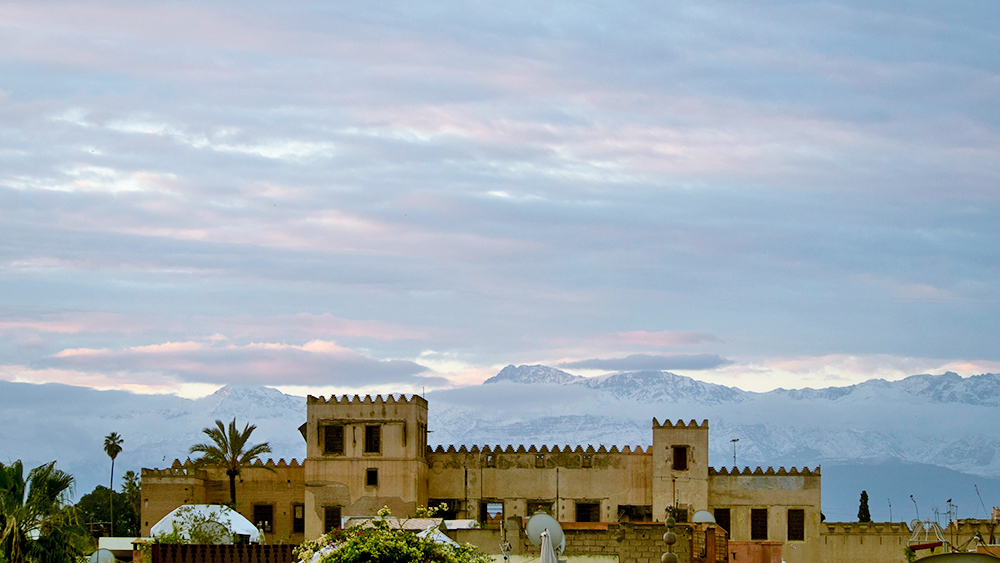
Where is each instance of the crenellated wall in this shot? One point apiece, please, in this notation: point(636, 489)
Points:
point(561, 476)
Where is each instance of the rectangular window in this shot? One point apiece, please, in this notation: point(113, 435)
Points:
point(373, 439)
point(451, 507)
point(540, 460)
point(371, 477)
point(758, 524)
point(635, 513)
point(536, 506)
point(263, 517)
point(680, 458)
point(331, 518)
point(491, 512)
point(491, 460)
point(298, 518)
point(722, 519)
point(587, 461)
point(588, 512)
point(796, 524)
point(333, 439)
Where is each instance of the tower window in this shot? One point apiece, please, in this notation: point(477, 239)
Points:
point(371, 477)
point(758, 524)
point(680, 458)
point(331, 518)
point(587, 461)
point(263, 517)
point(796, 524)
point(723, 519)
point(491, 460)
point(333, 439)
point(298, 518)
point(588, 512)
point(373, 439)
point(540, 460)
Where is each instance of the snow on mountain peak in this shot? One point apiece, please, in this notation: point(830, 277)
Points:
point(532, 374)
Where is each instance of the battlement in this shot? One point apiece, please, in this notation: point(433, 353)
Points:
point(189, 468)
point(510, 449)
point(680, 424)
point(746, 471)
point(367, 400)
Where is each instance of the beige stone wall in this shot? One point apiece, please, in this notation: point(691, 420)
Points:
point(853, 542)
point(514, 476)
point(777, 491)
point(278, 484)
point(682, 488)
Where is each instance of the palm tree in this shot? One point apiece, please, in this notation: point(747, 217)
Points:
point(113, 447)
point(35, 524)
point(229, 451)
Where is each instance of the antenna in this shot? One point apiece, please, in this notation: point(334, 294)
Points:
point(734, 440)
point(985, 515)
point(890, 508)
point(915, 507)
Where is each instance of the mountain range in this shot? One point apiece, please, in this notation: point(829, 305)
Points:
point(925, 435)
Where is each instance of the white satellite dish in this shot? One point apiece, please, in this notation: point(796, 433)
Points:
point(540, 523)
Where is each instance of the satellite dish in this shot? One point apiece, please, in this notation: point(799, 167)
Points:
point(101, 556)
point(915, 523)
point(541, 522)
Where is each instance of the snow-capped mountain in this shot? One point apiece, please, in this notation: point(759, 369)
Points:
point(532, 374)
point(931, 424)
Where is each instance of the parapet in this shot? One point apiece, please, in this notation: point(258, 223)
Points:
point(781, 471)
point(680, 424)
point(391, 399)
point(510, 449)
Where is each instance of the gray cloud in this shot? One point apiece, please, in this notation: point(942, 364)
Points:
point(637, 362)
point(504, 183)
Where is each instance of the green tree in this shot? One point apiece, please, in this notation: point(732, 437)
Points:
point(864, 515)
point(36, 525)
point(381, 543)
point(229, 451)
point(113, 447)
point(132, 491)
point(94, 510)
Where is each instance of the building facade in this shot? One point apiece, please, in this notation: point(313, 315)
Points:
point(366, 453)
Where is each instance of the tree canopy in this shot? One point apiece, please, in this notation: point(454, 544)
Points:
point(864, 515)
point(382, 544)
point(36, 525)
point(94, 511)
point(229, 451)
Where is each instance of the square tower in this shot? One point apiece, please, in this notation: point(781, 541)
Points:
point(680, 468)
point(361, 455)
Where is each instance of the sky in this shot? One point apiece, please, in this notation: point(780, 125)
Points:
point(400, 197)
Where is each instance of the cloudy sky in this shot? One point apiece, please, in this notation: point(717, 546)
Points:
point(402, 196)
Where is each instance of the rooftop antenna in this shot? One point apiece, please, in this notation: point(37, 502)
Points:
point(915, 507)
point(890, 508)
point(985, 514)
point(734, 440)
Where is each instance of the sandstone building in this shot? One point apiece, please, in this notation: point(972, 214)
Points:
point(365, 453)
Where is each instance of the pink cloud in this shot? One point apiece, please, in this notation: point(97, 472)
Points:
point(317, 362)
